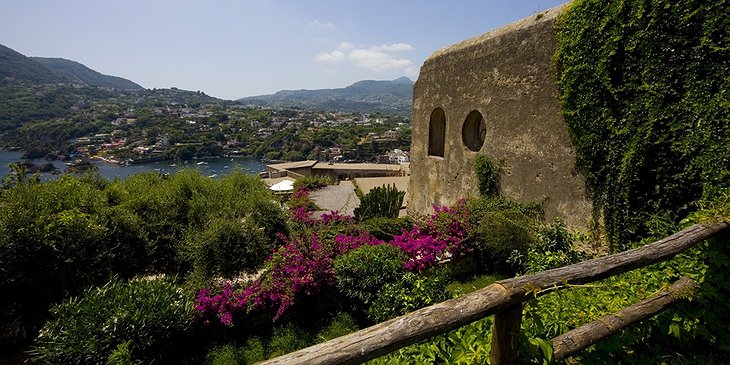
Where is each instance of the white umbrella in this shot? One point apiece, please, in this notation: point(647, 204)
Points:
point(284, 185)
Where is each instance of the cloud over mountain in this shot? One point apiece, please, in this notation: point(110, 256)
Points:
point(384, 57)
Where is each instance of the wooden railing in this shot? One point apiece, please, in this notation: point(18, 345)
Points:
point(504, 299)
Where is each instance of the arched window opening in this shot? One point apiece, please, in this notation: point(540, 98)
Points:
point(437, 133)
point(474, 131)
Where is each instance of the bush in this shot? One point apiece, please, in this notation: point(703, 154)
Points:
point(151, 316)
point(386, 228)
point(502, 232)
point(225, 355)
point(411, 292)
point(57, 238)
point(362, 272)
point(227, 247)
point(382, 201)
point(552, 249)
point(286, 339)
point(179, 209)
point(312, 182)
point(340, 325)
point(441, 237)
point(251, 352)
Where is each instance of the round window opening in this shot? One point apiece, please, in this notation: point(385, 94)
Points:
point(474, 131)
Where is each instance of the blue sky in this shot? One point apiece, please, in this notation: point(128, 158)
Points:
point(231, 49)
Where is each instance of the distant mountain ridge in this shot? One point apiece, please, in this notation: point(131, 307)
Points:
point(16, 68)
point(80, 74)
point(394, 96)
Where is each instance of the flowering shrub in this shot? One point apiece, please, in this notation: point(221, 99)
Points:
point(300, 267)
point(300, 207)
point(303, 265)
point(441, 237)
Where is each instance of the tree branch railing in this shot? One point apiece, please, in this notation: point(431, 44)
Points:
point(504, 298)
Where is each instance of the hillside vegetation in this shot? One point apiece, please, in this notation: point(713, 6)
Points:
point(82, 75)
point(366, 96)
point(16, 68)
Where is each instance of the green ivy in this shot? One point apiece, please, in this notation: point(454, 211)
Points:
point(487, 173)
point(644, 91)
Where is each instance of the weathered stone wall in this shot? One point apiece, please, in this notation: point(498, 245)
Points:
point(509, 77)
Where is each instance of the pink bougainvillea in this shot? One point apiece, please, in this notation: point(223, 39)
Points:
point(442, 236)
point(303, 265)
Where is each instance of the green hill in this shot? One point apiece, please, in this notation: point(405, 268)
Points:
point(16, 68)
point(80, 74)
point(364, 96)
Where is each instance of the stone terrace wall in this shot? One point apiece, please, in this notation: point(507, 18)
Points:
point(508, 77)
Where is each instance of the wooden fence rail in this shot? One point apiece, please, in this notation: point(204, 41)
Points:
point(578, 339)
point(503, 298)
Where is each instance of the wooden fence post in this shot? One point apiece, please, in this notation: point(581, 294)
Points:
point(505, 336)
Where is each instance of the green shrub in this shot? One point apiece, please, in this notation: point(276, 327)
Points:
point(552, 249)
point(411, 292)
point(362, 272)
point(384, 201)
point(312, 182)
point(487, 174)
point(227, 247)
point(253, 350)
point(122, 355)
point(502, 231)
point(225, 355)
point(152, 318)
point(57, 238)
point(176, 210)
point(386, 228)
point(287, 338)
point(340, 325)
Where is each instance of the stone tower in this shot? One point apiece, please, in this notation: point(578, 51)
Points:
point(496, 95)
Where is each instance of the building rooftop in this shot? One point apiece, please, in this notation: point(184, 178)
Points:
point(358, 166)
point(292, 165)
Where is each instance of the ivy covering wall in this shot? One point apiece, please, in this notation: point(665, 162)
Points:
point(644, 90)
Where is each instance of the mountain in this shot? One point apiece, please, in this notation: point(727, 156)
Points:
point(80, 74)
point(16, 68)
point(367, 96)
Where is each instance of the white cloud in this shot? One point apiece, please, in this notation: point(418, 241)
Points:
point(318, 24)
point(395, 47)
point(330, 71)
point(345, 46)
point(334, 56)
point(376, 58)
point(411, 72)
